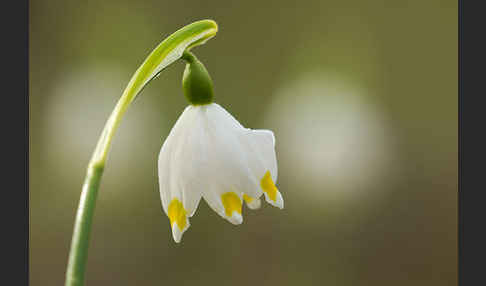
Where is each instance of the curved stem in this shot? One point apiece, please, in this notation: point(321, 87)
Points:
point(82, 229)
point(167, 52)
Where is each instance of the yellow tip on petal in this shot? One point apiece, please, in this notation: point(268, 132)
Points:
point(252, 203)
point(232, 206)
point(269, 187)
point(177, 214)
point(247, 198)
point(272, 195)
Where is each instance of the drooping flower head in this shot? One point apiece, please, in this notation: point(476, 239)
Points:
point(209, 154)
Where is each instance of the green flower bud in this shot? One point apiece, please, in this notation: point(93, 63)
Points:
point(196, 82)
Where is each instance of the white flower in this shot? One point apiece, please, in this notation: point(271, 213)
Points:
point(209, 154)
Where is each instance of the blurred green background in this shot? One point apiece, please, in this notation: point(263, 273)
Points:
point(361, 96)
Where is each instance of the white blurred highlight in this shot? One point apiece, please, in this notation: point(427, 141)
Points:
point(78, 108)
point(330, 139)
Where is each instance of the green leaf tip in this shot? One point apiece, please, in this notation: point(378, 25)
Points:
point(169, 51)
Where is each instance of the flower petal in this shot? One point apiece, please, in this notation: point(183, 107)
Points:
point(178, 194)
point(272, 195)
point(209, 153)
point(264, 141)
point(227, 204)
point(252, 203)
point(262, 144)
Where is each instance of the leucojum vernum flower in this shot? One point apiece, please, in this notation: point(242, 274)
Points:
point(207, 154)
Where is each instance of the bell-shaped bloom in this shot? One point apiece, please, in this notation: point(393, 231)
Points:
point(209, 154)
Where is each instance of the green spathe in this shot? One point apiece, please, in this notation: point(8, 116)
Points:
point(196, 82)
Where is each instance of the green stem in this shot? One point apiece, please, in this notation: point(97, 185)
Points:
point(167, 52)
point(82, 229)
